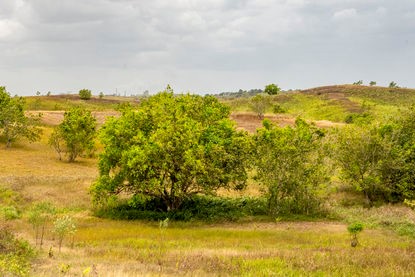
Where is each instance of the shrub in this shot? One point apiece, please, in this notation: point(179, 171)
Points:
point(15, 254)
point(85, 94)
point(198, 207)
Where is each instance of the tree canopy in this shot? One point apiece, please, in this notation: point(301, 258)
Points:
point(13, 121)
point(85, 94)
point(170, 148)
point(272, 89)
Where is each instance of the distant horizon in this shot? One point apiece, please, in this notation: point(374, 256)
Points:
point(122, 94)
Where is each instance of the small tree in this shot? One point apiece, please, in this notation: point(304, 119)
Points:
point(85, 94)
point(372, 83)
point(393, 85)
point(260, 103)
point(354, 229)
point(63, 227)
point(272, 89)
point(13, 121)
point(358, 83)
point(39, 216)
point(101, 95)
point(75, 134)
point(360, 154)
point(290, 165)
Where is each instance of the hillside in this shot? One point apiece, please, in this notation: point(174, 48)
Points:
point(337, 103)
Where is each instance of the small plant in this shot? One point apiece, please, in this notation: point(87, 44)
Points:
point(410, 203)
point(64, 268)
point(163, 224)
point(39, 216)
point(354, 229)
point(10, 213)
point(64, 226)
point(358, 83)
point(372, 83)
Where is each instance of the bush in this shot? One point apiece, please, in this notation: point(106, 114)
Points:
point(15, 254)
point(207, 208)
point(85, 94)
point(10, 213)
point(279, 109)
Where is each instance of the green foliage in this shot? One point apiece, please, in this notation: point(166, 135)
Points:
point(359, 153)
point(13, 121)
point(75, 135)
point(39, 216)
point(372, 83)
point(379, 160)
point(10, 212)
point(355, 228)
point(85, 94)
point(290, 164)
point(171, 148)
point(15, 254)
point(260, 103)
point(359, 118)
point(64, 226)
point(272, 89)
point(279, 109)
point(358, 83)
point(197, 207)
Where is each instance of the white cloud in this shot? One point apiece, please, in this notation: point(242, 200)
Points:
point(9, 28)
point(345, 14)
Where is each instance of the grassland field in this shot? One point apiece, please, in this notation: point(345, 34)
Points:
point(31, 173)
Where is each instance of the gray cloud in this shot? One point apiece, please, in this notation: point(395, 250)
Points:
point(202, 46)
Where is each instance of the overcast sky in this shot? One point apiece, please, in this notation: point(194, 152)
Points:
point(203, 46)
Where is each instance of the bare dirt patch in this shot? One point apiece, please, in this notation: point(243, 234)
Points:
point(54, 118)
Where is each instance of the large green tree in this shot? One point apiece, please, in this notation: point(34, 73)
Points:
point(170, 148)
point(13, 121)
point(290, 165)
point(75, 135)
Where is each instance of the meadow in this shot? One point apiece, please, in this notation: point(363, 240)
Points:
point(251, 246)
